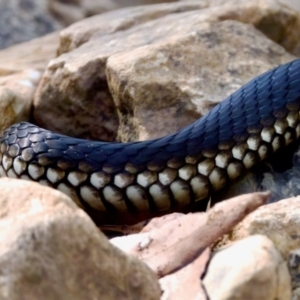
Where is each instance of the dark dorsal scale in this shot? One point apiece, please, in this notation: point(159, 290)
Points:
point(125, 183)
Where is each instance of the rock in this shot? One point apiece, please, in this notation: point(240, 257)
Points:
point(71, 11)
point(248, 269)
point(155, 65)
point(263, 15)
point(34, 54)
point(293, 3)
point(115, 21)
point(165, 86)
point(279, 221)
point(16, 93)
point(20, 71)
point(185, 237)
point(275, 18)
point(75, 85)
point(50, 249)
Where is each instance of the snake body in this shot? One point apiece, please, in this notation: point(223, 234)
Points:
point(128, 182)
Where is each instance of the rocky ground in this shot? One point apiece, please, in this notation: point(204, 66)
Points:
point(132, 74)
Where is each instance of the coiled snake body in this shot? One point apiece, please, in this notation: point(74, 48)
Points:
point(125, 183)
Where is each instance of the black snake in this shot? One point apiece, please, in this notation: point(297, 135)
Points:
point(128, 182)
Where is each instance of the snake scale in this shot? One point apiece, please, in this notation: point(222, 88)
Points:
point(127, 182)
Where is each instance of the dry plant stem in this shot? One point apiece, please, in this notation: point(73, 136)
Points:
point(185, 238)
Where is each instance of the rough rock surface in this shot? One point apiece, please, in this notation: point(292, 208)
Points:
point(16, 93)
point(248, 269)
point(34, 54)
point(278, 221)
point(293, 3)
point(162, 87)
point(274, 14)
point(172, 62)
point(95, 27)
point(50, 249)
point(75, 84)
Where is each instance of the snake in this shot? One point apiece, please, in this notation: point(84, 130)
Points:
point(123, 183)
